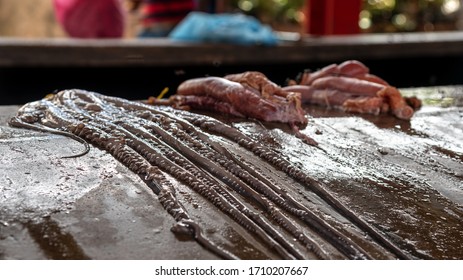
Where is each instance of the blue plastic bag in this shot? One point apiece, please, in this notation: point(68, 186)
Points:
point(223, 28)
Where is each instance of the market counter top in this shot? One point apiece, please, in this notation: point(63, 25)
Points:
point(404, 178)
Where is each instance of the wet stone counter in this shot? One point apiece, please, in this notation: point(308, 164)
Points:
point(403, 178)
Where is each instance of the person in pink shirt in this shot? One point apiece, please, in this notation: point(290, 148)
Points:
point(91, 18)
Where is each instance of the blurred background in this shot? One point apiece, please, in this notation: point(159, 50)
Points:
point(376, 16)
point(429, 62)
point(35, 18)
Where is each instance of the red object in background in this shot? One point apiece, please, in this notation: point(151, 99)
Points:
point(91, 18)
point(330, 17)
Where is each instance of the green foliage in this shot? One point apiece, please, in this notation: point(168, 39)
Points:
point(272, 11)
point(410, 15)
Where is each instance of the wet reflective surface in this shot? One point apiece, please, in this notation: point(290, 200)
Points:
point(403, 178)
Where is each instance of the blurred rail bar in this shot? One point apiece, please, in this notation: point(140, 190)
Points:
point(164, 52)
